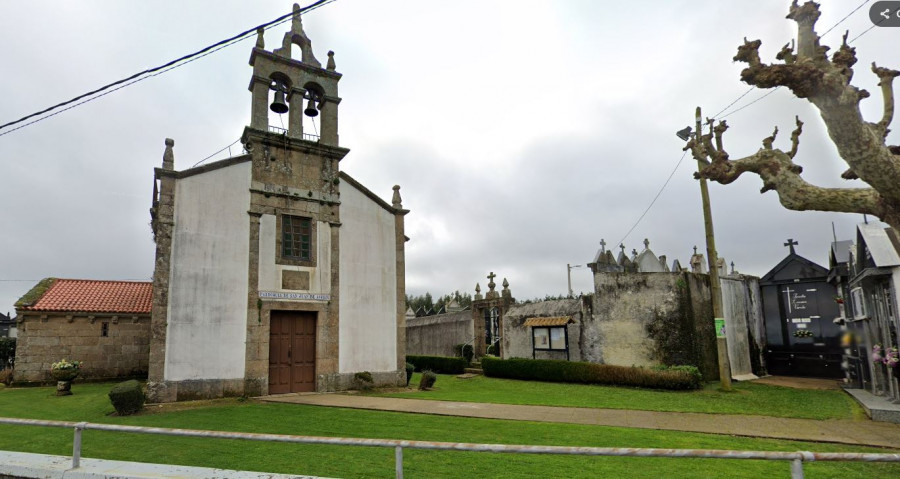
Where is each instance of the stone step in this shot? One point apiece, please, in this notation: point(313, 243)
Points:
point(473, 371)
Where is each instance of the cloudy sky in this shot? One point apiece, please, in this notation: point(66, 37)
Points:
point(522, 133)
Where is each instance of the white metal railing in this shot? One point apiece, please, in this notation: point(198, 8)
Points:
point(796, 458)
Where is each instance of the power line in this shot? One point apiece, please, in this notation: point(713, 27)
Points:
point(654, 198)
point(162, 68)
point(216, 153)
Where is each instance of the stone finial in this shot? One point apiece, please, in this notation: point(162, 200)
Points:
point(505, 284)
point(491, 284)
point(169, 155)
point(506, 293)
point(330, 65)
point(260, 41)
point(634, 253)
point(478, 295)
point(296, 23)
point(732, 267)
point(646, 243)
point(695, 249)
point(396, 200)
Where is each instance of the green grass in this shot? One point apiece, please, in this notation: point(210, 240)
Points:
point(89, 403)
point(746, 398)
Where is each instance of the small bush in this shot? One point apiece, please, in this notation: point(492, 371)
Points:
point(675, 378)
point(410, 369)
point(6, 376)
point(7, 352)
point(363, 381)
point(494, 349)
point(438, 364)
point(427, 381)
point(465, 351)
point(127, 397)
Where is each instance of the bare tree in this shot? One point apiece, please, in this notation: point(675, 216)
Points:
point(825, 83)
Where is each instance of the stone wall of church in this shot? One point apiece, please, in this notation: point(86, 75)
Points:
point(368, 284)
point(207, 306)
point(47, 338)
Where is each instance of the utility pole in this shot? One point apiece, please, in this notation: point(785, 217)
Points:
point(714, 286)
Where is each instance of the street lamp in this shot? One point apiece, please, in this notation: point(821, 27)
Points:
point(569, 267)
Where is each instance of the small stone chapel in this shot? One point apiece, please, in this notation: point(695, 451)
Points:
point(275, 271)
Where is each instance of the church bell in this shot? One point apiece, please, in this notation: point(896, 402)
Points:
point(311, 110)
point(278, 105)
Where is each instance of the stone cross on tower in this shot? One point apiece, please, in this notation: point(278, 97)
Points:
point(646, 243)
point(791, 243)
point(602, 245)
point(695, 250)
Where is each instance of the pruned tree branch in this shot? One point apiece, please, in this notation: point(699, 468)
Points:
point(886, 82)
point(825, 82)
point(795, 137)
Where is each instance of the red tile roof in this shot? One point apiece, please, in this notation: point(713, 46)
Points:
point(84, 295)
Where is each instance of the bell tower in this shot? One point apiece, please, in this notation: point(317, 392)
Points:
point(300, 87)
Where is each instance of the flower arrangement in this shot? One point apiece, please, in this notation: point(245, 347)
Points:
point(838, 300)
point(876, 354)
point(65, 370)
point(892, 358)
point(803, 333)
point(65, 365)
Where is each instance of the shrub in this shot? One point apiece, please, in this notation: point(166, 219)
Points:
point(676, 378)
point(127, 397)
point(6, 376)
point(438, 364)
point(494, 349)
point(410, 368)
point(7, 352)
point(363, 381)
point(692, 371)
point(465, 351)
point(428, 380)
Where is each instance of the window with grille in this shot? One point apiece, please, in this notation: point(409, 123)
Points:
point(296, 238)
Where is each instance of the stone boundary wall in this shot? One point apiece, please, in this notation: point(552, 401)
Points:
point(48, 338)
point(438, 335)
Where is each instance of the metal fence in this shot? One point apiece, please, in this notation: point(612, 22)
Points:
point(796, 458)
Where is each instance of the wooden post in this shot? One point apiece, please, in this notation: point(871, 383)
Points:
point(714, 286)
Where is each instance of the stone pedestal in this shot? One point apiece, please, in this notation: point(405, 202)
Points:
point(63, 388)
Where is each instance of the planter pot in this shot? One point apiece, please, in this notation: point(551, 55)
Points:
point(64, 374)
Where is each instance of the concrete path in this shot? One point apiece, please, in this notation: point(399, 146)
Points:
point(862, 432)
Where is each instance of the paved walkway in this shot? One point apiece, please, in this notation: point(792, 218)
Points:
point(862, 432)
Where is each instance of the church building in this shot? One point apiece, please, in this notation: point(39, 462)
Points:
point(275, 271)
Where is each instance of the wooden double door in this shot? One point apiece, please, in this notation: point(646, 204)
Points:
point(292, 352)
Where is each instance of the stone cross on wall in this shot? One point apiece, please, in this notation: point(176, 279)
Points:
point(491, 294)
point(791, 243)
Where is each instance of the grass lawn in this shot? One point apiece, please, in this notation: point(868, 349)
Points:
point(89, 403)
point(747, 398)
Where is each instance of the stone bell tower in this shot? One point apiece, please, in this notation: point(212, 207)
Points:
point(307, 88)
point(295, 215)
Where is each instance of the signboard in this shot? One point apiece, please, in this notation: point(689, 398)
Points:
point(720, 327)
point(299, 296)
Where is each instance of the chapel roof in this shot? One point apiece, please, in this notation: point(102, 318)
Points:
point(90, 296)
